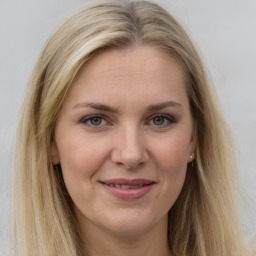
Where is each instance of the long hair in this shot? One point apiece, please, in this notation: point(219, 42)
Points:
point(203, 220)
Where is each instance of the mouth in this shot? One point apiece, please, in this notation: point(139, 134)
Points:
point(123, 186)
point(128, 189)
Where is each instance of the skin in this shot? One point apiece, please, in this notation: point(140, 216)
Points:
point(125, 140)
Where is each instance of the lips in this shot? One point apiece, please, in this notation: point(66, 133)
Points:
point(128, 189)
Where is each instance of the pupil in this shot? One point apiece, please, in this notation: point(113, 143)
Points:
point(158, 120)
point(96, 121)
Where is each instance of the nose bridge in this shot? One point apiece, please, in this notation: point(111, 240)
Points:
point(129, 147)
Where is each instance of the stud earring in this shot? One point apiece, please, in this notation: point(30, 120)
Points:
point(191, 157)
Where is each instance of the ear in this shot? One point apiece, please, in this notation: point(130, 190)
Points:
point(192, 147)
point(54, 153)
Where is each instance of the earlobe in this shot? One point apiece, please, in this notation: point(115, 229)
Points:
point(192, 148)
point(54, 153)
point(191, 157)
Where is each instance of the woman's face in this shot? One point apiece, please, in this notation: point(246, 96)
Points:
point(124, 138)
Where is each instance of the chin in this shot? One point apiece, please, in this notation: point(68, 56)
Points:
point(129, 229)
point(133, 225)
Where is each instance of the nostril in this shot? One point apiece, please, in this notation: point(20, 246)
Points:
point(130, 166)
point(129, 149)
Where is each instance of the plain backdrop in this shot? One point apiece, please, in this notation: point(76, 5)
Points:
point(224, 31)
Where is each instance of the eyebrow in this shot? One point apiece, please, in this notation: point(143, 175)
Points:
point(97, 106)
point(164, 105)
point(103, 107)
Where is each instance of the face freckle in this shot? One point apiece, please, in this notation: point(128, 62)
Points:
point(124, 138)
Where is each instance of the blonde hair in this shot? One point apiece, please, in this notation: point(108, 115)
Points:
point(204, 219)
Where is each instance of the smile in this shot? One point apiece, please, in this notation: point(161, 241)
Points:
point(128, 189)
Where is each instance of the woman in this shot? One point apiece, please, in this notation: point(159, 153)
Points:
point(121, 148)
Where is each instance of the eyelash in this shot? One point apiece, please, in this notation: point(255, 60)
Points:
point(169, 120)
point(87, 119)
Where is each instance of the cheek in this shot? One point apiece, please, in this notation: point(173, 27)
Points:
point(173, 152)
point(172, 163)
point(80, 158)
point(80, 153)
point(174, 166)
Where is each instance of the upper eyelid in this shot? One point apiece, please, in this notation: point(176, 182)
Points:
point(88, 117)
point(167, 116)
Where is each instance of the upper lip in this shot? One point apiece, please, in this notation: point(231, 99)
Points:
point(131, 182)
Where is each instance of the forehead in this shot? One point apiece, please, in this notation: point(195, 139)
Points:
point(143, 72)
point(133, 61)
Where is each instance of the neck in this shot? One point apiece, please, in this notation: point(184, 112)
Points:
point(99, 242)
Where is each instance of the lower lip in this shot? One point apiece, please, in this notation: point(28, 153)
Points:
point(128, 194)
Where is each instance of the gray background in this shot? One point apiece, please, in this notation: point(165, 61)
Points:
point(223, 30)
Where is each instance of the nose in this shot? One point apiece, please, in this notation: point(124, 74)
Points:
point(129, 148)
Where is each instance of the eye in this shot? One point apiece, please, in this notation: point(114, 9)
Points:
point(94, 121)
point(162, 120)
point(159, 120)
